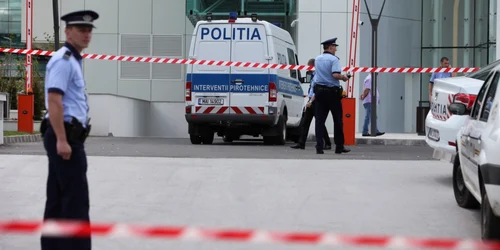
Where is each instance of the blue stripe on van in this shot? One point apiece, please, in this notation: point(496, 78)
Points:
point(253, 83)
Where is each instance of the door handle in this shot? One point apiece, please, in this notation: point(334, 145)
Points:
point(237, 81)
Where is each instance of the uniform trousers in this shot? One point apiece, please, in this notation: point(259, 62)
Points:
point(328, 99)
point(67, 192)
point(306, 123)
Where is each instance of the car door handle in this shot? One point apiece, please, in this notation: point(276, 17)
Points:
point(237, 81)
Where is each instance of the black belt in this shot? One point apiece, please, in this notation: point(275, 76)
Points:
point(74, 130)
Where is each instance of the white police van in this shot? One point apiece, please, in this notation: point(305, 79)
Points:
point(235, 101)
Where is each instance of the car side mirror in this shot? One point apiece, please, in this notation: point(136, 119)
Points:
point(458, 108)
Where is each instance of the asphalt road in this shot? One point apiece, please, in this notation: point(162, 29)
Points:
point(246, 185)
point(250, 149)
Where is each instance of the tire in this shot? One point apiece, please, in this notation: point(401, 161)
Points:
point(208, 138)
point(226, 138)
point(463, 196)
point(282, 133)
point(490, 224)
point(195, 139)
point(269, 140)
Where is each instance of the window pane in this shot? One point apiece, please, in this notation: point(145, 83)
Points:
point(489, 98)
point(15, 15)
point(15, 27)
point(15, 4)
point(439, 29)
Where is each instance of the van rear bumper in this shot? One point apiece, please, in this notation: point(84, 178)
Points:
point(231, 119)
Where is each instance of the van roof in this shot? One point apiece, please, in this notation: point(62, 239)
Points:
point(271, 29)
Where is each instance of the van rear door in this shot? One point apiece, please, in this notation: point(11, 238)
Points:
point(210, 84)
point(249, 87)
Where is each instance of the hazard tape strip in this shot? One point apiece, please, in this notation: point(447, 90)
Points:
point(78, 229)
point(238, 64)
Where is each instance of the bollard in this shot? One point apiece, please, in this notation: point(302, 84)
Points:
point(349, 120)
point(26, 111)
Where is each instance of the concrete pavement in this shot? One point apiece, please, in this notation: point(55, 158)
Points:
point(408, 198)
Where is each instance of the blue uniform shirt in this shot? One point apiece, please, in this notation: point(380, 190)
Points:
point(437, 75)
point(311, 88)
point(64, 75)
point(326, 64)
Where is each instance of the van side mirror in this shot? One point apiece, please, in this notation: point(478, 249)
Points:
point(309, 76)
point(458, 108)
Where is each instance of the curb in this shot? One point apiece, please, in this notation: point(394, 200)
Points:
point(387, 142)
point(21, 139)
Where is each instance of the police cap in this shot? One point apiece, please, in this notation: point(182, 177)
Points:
point(80, 18)
point(332, 41)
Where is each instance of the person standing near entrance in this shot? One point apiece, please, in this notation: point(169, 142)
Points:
point(445, 63)
point(328, 96)
point(366, 97)
point(64, 130)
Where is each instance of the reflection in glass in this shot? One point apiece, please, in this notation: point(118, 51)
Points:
point(462, 30)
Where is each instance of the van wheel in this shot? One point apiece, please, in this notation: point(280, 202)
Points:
point(490, 224)
point(208, 138)
point(195, 139)
point(269, 140)
point(463, 196)
point(282, 133)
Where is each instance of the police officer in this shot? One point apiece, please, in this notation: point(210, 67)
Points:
point(65, 129)
point(328, 95)
point(308, 116)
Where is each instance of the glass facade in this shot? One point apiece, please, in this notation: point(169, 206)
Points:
point(10, 22)
point(279, 12)
point(462, 30)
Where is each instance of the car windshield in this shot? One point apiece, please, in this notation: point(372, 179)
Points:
point(482, 73)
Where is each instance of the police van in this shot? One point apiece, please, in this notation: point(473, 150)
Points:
point(235, 101)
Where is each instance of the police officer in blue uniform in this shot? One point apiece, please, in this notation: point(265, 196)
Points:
point(64, 130)
point(308, 115)
point(328, 95)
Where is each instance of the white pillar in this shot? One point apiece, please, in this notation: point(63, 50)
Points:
point(467, 27)
point(412, 86)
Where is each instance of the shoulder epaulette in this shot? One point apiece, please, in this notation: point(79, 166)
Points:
point(67, 54)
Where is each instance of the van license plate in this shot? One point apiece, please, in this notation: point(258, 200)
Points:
point(433, 134)
point(211, 101)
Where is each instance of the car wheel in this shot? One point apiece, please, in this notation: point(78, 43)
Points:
point(490, 223)
point(227, 138)
point(463, 196)
point(195, 139)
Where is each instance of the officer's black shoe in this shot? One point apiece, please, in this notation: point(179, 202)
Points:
point(328, 147)
point(298, 146)
point(342, 150)
point(319, 151)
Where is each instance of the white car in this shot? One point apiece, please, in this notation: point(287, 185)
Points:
point(476, 169)
point(441, 126)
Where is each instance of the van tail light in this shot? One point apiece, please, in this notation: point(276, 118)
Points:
point(188, 91)
point(273, 92)
point(466, 99)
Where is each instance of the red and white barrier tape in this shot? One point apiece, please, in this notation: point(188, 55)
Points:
point(78, 229)
point(239, 64)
